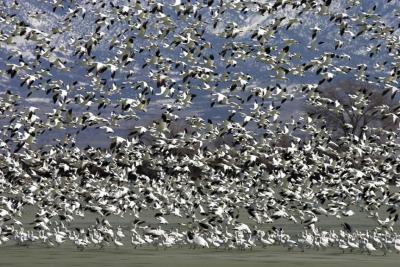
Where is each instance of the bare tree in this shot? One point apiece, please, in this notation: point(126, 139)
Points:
point(351, 107)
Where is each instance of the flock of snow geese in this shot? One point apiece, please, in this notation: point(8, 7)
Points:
point(104, 63)
point(49, 198)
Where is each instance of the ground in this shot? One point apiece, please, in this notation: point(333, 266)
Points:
point(68, 255)
point(12, 256)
